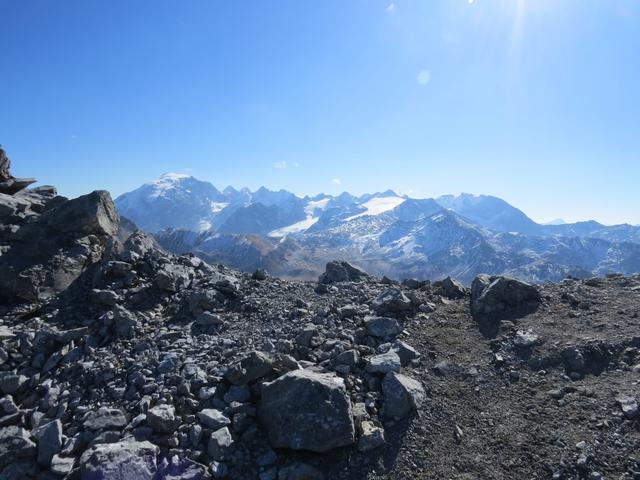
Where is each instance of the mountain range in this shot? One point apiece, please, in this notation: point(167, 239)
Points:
point(384, 233)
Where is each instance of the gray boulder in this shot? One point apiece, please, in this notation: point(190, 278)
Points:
point(50, 252)
point(337, 271)
point(252, 366)
point(402, 395)
point(137, 245)
point(127, 460)
point(207, 319)
point(495, 298)
point(162, 418)
point(106, 419)
point(49, 438)
point(219, 443)
point(392, 301)
point(213, 419)
point(15, 444)
point(405, 351)
point(450, 288)
point(371, 436)
point(384, 363)
point(173, 278)
point(382, 326)
point(304, 410)
point(12, 206)
point(629, 406)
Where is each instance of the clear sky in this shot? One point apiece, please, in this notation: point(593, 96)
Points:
point(534, 101)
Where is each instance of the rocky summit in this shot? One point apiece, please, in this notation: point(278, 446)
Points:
point(119, 361)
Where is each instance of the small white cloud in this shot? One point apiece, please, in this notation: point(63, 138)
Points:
point(280, 165)
point(470, 1)
point(74, 136)
point(391, 8)
point(424, 77)
point(336, 181)
point(296, 164)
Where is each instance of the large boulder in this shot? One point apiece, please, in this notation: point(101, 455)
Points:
point(126, 460)
point(402, 395)
point(91, 214)
point(49, 438)
point(52, 250)
point(337, 271)
point(162, 418)
point(496, 298)
point(15, 444)
point(106, 418)
point(450, 288)
point(382, 327)
point(304, 410)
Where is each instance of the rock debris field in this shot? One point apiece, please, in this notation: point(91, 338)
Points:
point(120, 361)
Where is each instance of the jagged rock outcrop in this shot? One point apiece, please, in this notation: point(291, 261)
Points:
point(337, 271)
point(51, 249)
point(9, 184)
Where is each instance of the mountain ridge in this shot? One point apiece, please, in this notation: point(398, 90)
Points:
point(387, 233)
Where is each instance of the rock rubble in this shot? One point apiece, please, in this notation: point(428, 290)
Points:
point(120, 361)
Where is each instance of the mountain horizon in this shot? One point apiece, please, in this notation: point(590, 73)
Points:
point(384, 232)
point(233, 191)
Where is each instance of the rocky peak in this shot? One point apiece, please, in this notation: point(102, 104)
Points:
point(47, 241)
point(9, 184)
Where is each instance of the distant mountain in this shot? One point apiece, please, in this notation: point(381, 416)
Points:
point(557, 221)
point(491, 212)
point(386, 233)
point(172, 201)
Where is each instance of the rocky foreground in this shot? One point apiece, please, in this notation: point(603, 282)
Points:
point(120, 361)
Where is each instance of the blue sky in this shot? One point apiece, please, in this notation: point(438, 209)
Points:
point(534, 101)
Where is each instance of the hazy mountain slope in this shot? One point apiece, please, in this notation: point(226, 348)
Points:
point(490, 212)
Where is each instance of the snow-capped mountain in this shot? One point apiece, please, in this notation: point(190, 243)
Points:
point(173, 201)
point(385, 233)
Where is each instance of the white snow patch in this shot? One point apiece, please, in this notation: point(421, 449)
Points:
point(166, 182)
point(314, 205)
point(218, 206)
point(302, 225)
point(376, 206)
point(204, 225)
point(297, 227)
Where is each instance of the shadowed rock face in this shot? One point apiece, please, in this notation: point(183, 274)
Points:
point(496, 298)
point(48, 251)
